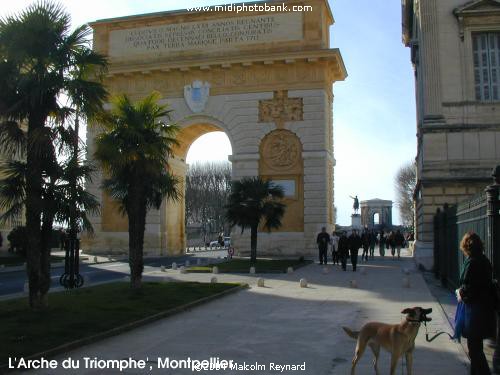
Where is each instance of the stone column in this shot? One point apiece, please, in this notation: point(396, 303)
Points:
point(172, 214)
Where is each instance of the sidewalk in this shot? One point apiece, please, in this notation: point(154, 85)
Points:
point(285, 324)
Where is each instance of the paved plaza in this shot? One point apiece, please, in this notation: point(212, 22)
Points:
point(282, 323)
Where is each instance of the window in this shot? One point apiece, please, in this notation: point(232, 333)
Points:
point(486, 49)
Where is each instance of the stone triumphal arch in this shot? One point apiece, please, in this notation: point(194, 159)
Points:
point(263, 78)
point(380, 207)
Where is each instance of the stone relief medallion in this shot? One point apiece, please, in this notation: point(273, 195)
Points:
point(281, 149)
point(196, 95)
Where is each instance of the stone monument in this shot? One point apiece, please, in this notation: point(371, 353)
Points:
point(263, 78)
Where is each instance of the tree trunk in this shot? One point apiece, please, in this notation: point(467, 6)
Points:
point(46, 239)
point(33, 215)
point(253, 243)
point(136, 226)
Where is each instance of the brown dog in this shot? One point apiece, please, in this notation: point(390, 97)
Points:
point(397, 339)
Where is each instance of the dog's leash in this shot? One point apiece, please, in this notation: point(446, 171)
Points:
point(436, 335)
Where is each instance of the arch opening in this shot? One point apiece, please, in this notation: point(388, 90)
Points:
point(376, 218)
point(206, 173)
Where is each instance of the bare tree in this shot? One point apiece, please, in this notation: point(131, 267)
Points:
point(208, 186)
point(406, 180)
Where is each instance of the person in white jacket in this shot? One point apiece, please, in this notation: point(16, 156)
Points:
point(334, 243)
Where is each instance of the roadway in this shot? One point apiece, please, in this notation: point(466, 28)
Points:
point(12, 283)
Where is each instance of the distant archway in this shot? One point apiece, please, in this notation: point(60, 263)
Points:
point(376, 213)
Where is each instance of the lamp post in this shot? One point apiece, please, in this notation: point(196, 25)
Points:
point(493, 212)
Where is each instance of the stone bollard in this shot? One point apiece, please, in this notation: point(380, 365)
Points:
point(26, 287)
point(406, 271)
point(187, 263)
point(95, 260)
point(126, 279)
point(303, 283)
point(289, 270)
point(174, 266)
point(252, 270)
point(183, 269)
point(213, 280)
point(162, 269)
point(86, 279)
point(363, 271)
point(109, 258)
point(198, 262)
point(325, 270)
point(215, 269)
point(354, 284)
point(260, 282)
point(406, 282)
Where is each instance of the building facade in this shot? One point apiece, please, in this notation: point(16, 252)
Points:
point(455, 52)
point(264, 78)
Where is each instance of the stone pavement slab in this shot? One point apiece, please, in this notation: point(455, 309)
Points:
point(282, 323)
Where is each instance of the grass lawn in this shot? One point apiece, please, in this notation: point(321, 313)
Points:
point(261, 266)
point(81, 313)
point(16, 260)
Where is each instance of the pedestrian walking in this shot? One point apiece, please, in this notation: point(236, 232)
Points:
point(392, 244)
point(365, 241)
point(399, 241)
point(475, 318)
point(354, 245)
point(323, 240)
point(381, 243)
point(343, 250)
point(334, 243)
point(372, 240)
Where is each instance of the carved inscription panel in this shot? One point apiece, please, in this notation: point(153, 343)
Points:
point(218, 34)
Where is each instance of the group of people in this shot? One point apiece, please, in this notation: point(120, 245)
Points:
point(344, 246)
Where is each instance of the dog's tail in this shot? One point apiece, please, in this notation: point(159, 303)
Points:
point(351, 333)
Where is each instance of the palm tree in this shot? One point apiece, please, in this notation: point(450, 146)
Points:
point(133, 150)
point(252, 200)
point(38, 57)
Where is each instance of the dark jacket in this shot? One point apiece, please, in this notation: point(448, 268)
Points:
point(323, 240)
point(355, 242)
point(365, 239)
point(476, 290)
point(343, 245)
point(399, 239)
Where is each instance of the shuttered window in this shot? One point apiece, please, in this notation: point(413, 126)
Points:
point(486, 49)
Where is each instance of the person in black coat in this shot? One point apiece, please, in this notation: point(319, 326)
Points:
point(365, 240)
point(343, 250)
point(399, 242)
point(354, 244)
point(381, 244)
point(477, 292)
point(323, 240)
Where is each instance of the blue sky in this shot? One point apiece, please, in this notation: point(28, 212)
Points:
point(374, 109)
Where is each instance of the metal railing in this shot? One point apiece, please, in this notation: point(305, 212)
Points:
point(479, 214)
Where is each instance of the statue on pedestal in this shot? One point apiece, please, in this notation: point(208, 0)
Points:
point(355, 205)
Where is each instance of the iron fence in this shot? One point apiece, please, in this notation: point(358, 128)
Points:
point(479, 214)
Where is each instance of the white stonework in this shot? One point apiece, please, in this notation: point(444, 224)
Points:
point(458, 133)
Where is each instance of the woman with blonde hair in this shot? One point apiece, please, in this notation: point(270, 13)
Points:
point(476, 297)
